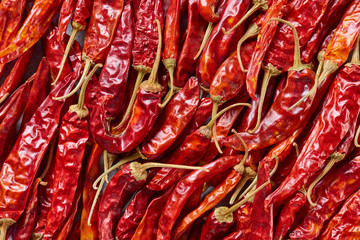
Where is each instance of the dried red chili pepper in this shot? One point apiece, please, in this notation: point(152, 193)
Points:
point(332, 191)
point(195, 31)
point(35, 25)
point(182, 107)
point(66, 11)
point(323, 138)
point(345, 224)
point(17, 73)
point(23, 162)
point(242, 222)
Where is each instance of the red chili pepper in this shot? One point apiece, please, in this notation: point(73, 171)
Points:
point(185, 188)
point(323, 138)
point(17, 73)
point(182, 107)
point(66, 11)
point(345, 224)
point(195, 31)
point(332, 191)
point(133, 214)
point(242, 221)
point(207, 10)
point(18, 171)
point(35, 25)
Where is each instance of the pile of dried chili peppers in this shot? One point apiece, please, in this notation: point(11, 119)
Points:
point(179, 119)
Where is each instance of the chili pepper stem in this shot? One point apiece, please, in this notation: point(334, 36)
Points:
point(258, 4)
point(356, 138)
point(213, 120)
point(334, 158)
point(213, 114)
point(205, 39)
point(270, 71)
point(170, 65)
point(252, 31)
point(246, 154)
point(225, 214)
point(248, 174)
point(4, 97)
point(37, 236)
point(76, 27)
point(296, 149)
point(4, 224)
point(82, 79)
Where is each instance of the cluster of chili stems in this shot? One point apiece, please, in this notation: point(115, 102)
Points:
point(91, 150)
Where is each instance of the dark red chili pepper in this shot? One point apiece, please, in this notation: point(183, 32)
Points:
point(181, 108)
point(195, 31)
point(133, 214)
point(207, 10)
point(242, 222)
point(185, 188)
point(17, 73)
point(18, 171)
point(345, 224)
point(327, 133)
point(332, 191)
point(88, 227)
point(35, 25)
point(66, 11)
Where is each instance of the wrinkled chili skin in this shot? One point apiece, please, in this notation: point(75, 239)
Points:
point(220, 45)
point(343, 105)
point(172, 31)
point(73, 135)
point(117, 193)
point(213, 229)
point(8, 124)
point(264, 38)
point(35, 25)
point(278, 122)
point(188, 153)
point(142, 119)
point(185, 188)
point(114, 74)
point(242, 222)
point(195, 31)
point(88, 194)
point(101, 30)
point(66, 11)
point(331, 17)
point(83, 11)
point(26, 224)
point(146, 32)
point(133, 214)
point(305, 17)
point(17, 73)
point(206, 9)
point(345, 36)
point(345, 224)
point(23, 162)
point(148, 225)
point(287, 214)
point(209, 202)
point(172, 120)
point(229, 79)
point(332, 192)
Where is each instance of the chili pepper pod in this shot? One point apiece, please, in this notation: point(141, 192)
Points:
point(345, 224)
point(24, 159)
point(172, 120)
point(66, 11)
point(34, 26)
point(242, 222)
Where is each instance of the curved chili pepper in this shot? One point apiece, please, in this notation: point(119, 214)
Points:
point(333, 190)
point(14, 78)
point(207, 10)
point(345, 224)
point(195, 31)
point(242, 222)
point(35, 25)
point(213, 56)
point(182, 107)
point(23, 162)
point(88, 194)
point(185, 188)
point(326, 134)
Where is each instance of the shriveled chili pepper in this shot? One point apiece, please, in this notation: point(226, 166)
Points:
point(345, 224)
point(195, 31)
point(88, 227)
point(327, 133)
point(66, 11)
point(23, 162)
point(242, 222)
point(12, 81)
point(332, 191)
point(35, 25)
point(133, 214)
point(182, 107)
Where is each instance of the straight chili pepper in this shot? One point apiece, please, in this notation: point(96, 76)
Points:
point(323, 138)
point(66, 11)
point(345, 224)
point(34, 26)
point(23, 162)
